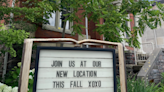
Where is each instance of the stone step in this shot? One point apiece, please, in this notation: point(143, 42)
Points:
point(141, 62)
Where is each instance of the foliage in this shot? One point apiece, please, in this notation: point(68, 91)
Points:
point(25, 15)
point(8, 37)
point(31, 80)
point(115, 16)
point(161, 89)
point(138, 85)
point(12, 77)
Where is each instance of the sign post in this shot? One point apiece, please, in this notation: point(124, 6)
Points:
point(72, 69)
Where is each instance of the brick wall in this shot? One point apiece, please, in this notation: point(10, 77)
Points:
point(132, 23)
point(42, 33)
point(153, 68)
point(10, 4)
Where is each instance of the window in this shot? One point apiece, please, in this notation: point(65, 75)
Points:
point(61, 23)
point(52, 19)
point(56, 22)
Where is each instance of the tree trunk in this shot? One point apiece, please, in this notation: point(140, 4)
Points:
point(63, 33)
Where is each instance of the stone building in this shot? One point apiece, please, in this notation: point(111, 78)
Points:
point(152, 39)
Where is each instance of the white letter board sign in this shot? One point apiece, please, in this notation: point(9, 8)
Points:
point(75, 70)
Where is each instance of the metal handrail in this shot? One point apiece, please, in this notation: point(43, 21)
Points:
point(142, 56)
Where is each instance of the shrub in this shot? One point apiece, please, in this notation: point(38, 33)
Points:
point(12, 79)
point(138, 85)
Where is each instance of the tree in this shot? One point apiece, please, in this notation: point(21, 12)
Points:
point(142, 9)
point(10, 37)
point(115, 16)
point(20, 21)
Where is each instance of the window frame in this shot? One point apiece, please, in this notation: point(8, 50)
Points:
point(57, 23)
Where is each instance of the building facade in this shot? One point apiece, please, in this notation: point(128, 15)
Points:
point(152, 39)
point(54, 29)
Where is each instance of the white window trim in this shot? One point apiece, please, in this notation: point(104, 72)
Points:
point(128, 22)
point(56, 27)
point(53, 28)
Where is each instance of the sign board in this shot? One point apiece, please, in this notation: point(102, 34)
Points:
point(75, 70)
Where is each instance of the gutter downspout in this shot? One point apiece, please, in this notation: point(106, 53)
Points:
point(86, 28)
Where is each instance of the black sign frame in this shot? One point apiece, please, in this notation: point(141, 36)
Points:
point(71, 48)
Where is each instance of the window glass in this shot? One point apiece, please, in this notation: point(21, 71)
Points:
point(52, 19)
point(59, 18)
point(61, 23)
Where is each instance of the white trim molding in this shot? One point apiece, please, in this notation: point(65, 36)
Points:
point(53, 28)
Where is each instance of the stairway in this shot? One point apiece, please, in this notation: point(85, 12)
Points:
point(154, 66)
point(132, 66)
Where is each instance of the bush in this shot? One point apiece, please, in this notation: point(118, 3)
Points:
point(9, 37)
point(12, 79)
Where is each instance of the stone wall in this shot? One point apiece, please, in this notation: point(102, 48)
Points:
point(155, 73)
point(154, 66)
